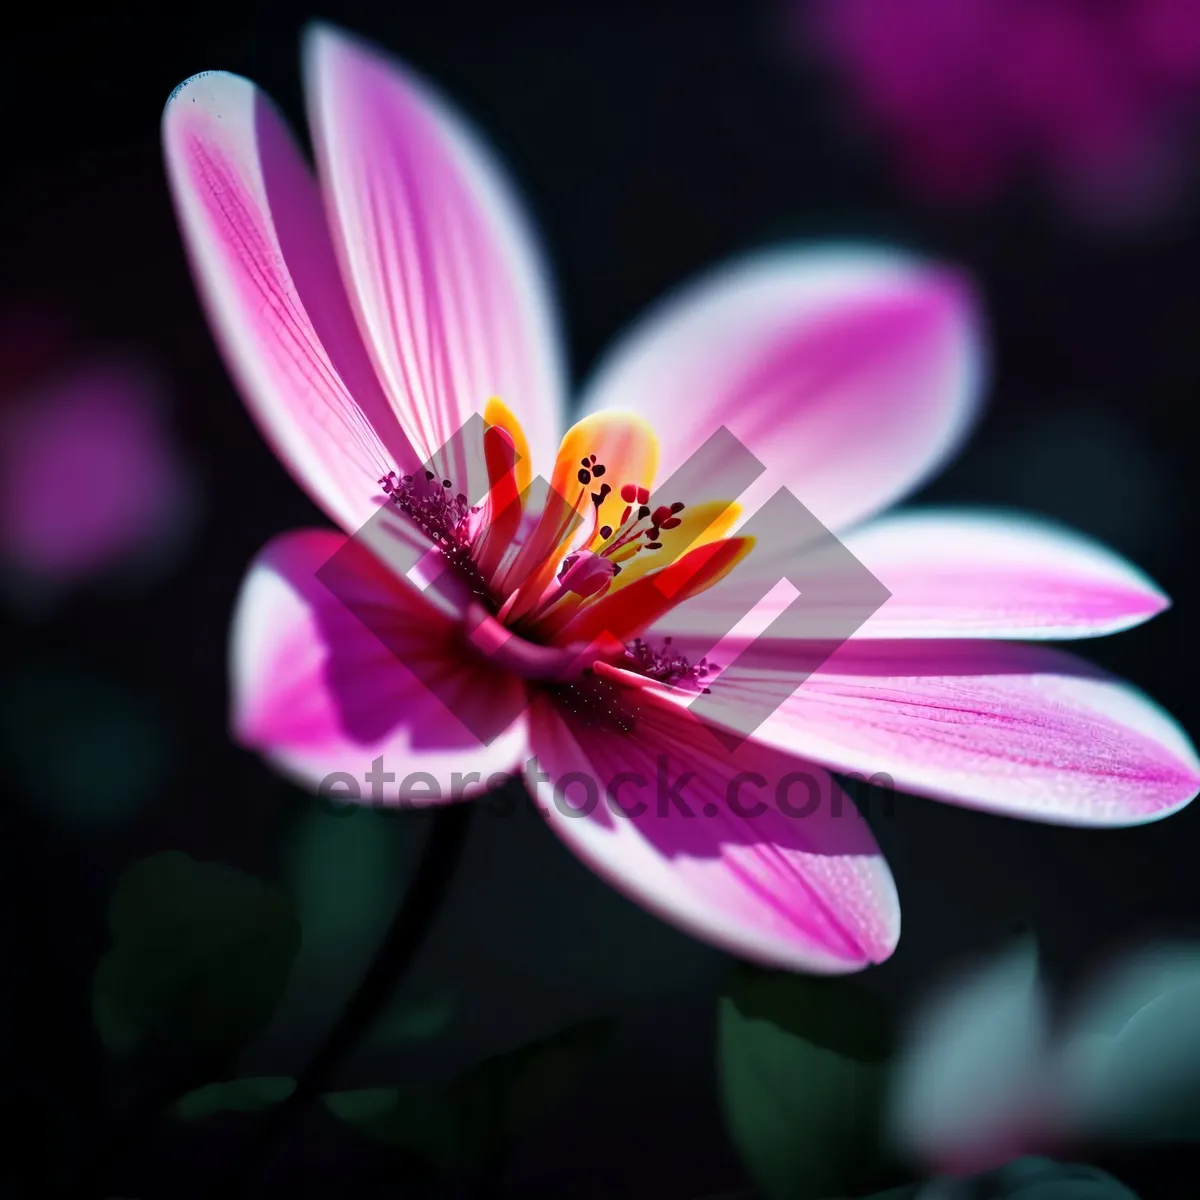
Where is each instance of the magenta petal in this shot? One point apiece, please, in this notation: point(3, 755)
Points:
point(444, 272)
point(316, 691)
point(803, 890)
point(851, 374)
point(997, 575)
point(255, 232)
point(1021, 730)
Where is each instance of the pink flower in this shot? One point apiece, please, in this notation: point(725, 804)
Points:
point(91, 480)
point(990, 1071)
point(370, 317)
point(971, 94)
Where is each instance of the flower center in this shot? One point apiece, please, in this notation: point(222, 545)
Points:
point(564, 584)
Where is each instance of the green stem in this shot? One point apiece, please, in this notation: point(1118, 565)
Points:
point(396, 952)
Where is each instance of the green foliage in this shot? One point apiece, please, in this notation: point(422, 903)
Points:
point(802, 1062)
point(200, 951)
point(235, 1095)
point(423, 1017)
point(474, 1119)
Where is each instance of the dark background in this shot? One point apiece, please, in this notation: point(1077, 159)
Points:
point(650, 140)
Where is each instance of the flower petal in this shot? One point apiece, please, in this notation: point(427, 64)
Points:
point(962, 574)
point(447, 282)
point(1130, 1063)
point(808, 891)
point(326, 682)
point(253, 225)
point(1021, 730)
point(851, 374)
point(972, 1086)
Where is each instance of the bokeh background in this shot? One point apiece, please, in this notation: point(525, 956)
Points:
point(649, 139)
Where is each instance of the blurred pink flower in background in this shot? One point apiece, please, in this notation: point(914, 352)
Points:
point(990, 1072)
point(91, 479)
point(973, 94)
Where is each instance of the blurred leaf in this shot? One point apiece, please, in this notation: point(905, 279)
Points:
point(1132, 1060)
point(341, 867)
point(200, 951)
point(478, 1115)
point(1154, 1070)
point(802, 1064)
point(425, 1123)
point(417, 1020)
point(514, 1089)
point(236, 1095)
point(347, 867)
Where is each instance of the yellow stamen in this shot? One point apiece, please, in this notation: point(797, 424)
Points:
point(625, 446)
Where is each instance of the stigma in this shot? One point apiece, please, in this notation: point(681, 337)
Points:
point(586, 574)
